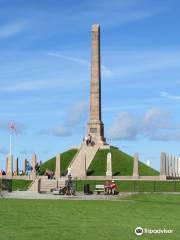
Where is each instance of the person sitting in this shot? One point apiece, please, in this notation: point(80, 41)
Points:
point(107, 187)
point(113, 187)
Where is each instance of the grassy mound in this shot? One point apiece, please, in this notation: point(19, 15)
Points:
point(66, 158)
point(122, 164)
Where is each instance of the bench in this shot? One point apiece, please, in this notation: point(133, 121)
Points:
point(99, 189)
point(58, 191)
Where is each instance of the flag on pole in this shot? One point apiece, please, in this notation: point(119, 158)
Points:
point(12, 128)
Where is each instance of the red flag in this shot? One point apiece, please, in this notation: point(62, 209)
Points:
point(12, 127)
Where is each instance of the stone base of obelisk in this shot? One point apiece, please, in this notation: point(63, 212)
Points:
point(96, 131)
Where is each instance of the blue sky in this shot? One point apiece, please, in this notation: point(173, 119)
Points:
point(45, 75)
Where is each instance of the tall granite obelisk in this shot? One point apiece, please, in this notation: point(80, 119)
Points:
point(95, 125)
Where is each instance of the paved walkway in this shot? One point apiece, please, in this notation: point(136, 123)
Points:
point(79, 196)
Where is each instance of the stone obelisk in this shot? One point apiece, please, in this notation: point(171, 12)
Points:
point(95, 125)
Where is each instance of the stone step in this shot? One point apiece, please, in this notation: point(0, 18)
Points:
point(47, 185)
point(82, 160)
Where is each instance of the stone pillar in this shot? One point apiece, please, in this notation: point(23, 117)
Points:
point(166, 164)
point(109, 165)
point(16, 171)
point(163, 166)
point(58, 166)
point(95, 125)
point(34, 161)
point(178, 167)
point(6, 164)
point(136, 165)
point(9, 172)
point(24, 165)
point(171, 166)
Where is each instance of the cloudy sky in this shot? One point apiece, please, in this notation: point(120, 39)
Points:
point(45, 75)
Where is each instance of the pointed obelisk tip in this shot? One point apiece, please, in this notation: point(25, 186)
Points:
point(95, 27)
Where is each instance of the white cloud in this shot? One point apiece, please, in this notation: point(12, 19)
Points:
point(116, 13)
point(43, 132)
point(169, 96)
point(124, 127)
point(26, 86)
point(11, 29)
point(70, 58)
point(62, 131)
point(105, 71)
point(139, 62)
point(169, 135)
point(155, 119)
point(74, 117)
point(154, 124)
point(76, 113)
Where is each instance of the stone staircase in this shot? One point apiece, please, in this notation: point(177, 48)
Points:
point(34, 186)
point(48, 184)
point(45, 185)
point(82, 160)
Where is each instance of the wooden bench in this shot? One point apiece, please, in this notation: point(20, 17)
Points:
point(99, 189)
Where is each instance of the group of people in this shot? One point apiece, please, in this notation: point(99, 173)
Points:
point(110, 187)
point(3, 173)
point(29, 168)
point(88, 140)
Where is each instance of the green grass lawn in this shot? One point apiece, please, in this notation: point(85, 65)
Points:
point(98, 220)
point(66, 158)
point(122, 164)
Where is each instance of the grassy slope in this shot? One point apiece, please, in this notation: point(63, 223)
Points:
point(79, 220)
point(122, 164)
point(20, 184)
point(14, 184)
point(66, 158)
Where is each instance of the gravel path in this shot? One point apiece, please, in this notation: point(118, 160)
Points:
point(79, 196)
